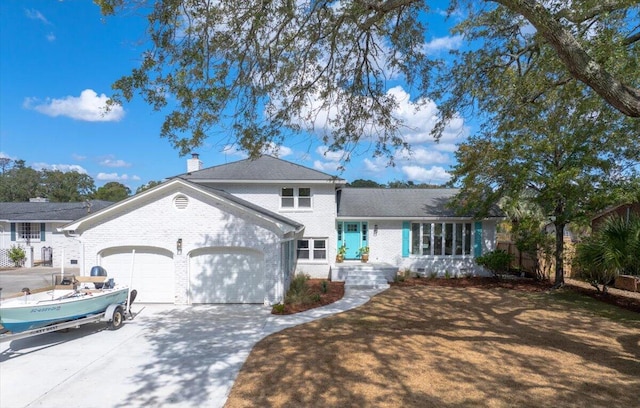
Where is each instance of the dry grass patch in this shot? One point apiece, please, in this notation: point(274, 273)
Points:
point(426, 346)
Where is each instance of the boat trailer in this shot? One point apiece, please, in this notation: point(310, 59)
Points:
point(115, 316)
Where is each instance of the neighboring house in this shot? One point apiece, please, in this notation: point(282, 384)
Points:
point(622, 210)
point(236, 233)
point(34, 227)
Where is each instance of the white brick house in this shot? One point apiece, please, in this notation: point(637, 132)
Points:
point(236, 233)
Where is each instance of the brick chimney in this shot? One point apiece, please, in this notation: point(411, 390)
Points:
point(194, 163)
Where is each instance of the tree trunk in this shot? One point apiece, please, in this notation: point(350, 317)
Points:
point(559, 281)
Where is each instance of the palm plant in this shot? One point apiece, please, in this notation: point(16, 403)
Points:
point(612, 251)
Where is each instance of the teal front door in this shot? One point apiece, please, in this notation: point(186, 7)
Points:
point(352, 239)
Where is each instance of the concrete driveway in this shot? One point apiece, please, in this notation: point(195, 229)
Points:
point(168, 356)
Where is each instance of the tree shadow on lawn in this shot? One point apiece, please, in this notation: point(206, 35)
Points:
point(437, 346)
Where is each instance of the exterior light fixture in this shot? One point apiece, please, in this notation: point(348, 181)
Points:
point(179, 246)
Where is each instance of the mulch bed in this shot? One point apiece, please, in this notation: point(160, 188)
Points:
point(335, 291)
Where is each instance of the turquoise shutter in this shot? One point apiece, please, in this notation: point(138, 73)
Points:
point(406, 225)
point(477, 244)
point(13, 231)
point(42, 232)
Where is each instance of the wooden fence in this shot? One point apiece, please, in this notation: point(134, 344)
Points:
point(543, 265)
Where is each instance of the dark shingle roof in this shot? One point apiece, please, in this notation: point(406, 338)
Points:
point(400, 202)
point(262, 169)
point(46, 211)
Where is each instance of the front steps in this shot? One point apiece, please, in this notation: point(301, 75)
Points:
point(364, 276)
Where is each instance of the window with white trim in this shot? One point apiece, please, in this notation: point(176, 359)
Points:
point(441, 238)
point(28, 231)
point(291, 197)
point(312, 249)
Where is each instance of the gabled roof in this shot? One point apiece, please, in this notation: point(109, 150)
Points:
point(265, 168)
point(49, 212)
point(397, 203)
point(282, 222)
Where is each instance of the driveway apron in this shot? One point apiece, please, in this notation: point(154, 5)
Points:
point(168, 356)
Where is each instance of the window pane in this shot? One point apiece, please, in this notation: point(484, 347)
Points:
point(287, 192)
point(437, 239)
point(458, 239)
point(304, 202)
point(448, 239)
point(287, 197)
point(319, 249)
point(303, 249)
point(304, 197)
point(304, 192)
point(28, 231)
point(426, 239)
point(415, 239)
point(467, 239)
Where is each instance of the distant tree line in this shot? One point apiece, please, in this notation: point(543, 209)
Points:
point(359, 183)
point(19, 183)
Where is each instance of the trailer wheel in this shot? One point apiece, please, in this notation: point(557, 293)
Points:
point(117, 318)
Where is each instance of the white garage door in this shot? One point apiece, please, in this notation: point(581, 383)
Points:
point(226, 275)
point(153, 272)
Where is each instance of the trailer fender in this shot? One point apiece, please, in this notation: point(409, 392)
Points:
point(108, 314)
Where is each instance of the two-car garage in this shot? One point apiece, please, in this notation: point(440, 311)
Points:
point(216, 275)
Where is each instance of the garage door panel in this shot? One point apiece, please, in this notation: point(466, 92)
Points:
point(153, 272)
point(226, 277)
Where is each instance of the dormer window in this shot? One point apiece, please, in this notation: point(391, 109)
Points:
point(295, 197)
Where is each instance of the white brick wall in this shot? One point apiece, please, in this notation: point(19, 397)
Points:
point(386, 246)
point(204, 223)
point(319, 221)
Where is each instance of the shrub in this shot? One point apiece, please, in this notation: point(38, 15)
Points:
point(497, 261)
point(299, 290)
point(611, 251)
point(278, 308)
point(324, 287)
point(17, 255)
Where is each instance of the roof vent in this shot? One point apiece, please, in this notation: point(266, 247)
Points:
point(181, 202)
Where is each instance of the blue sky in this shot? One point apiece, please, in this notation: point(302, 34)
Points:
point(58, 60)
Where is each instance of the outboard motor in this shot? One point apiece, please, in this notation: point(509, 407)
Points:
point(98, 271)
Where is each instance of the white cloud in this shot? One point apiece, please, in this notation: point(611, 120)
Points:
point(277, 151)
point(34, 14)
point(327, 167)
point(440, 44)
point(116, 177)
point(425, 156)
point(434, 175)
point(61, 167)
point(51, 37)
point(87, 107)
point(114, 163)
point(420, 117)
point(78, 157)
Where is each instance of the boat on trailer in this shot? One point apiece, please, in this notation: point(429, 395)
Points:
point(69, 302)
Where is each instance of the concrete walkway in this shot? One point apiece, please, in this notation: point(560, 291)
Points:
point(168, 356)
